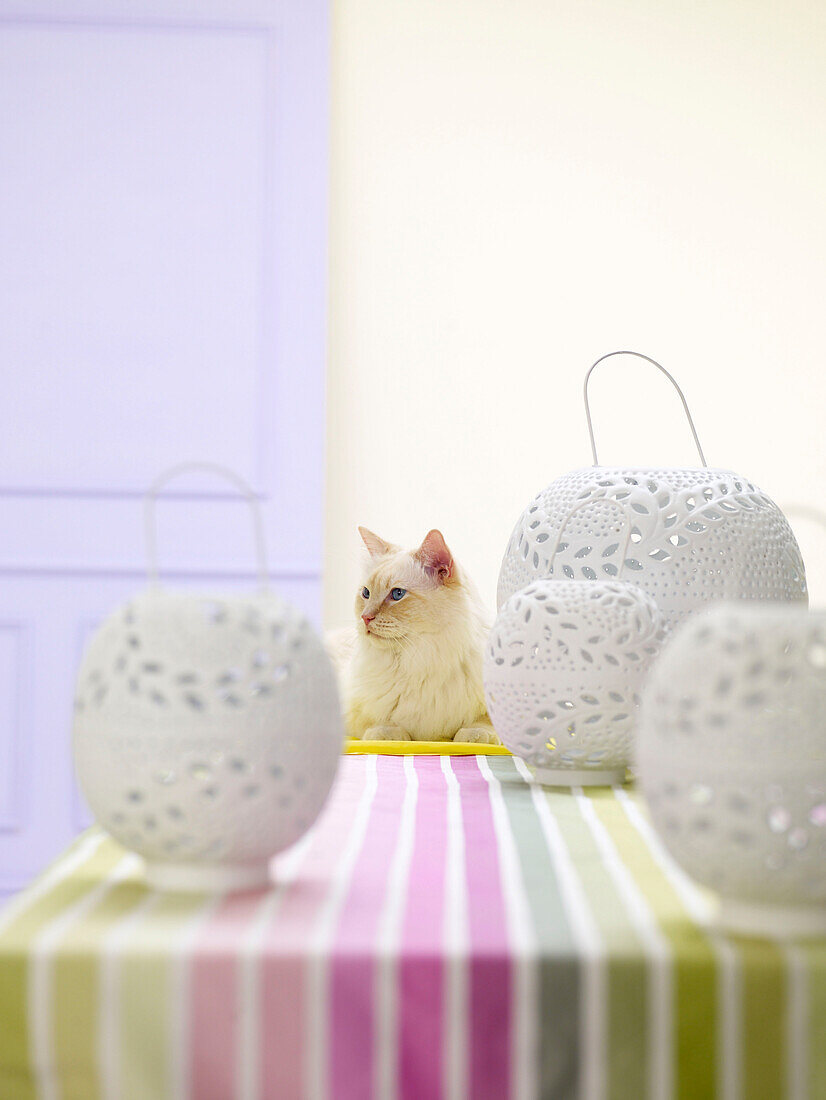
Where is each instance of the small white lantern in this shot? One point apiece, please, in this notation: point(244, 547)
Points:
point(732, 761)
point(563, 671)
point(207, 728)
point(697, 534)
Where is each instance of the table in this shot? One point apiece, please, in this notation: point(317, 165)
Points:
point(447, 929)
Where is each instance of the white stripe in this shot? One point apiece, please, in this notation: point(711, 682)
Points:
point(248, 1027)
point(699, 907)
point(40, 975)
point(729, 1024)
point(697, 903)
point(180, 958)
point(316, 1052)
point(388, 940)
point(797, 1024)
point(657, 947)
point(456, 947)
point(589, 944)
point(522, 940)
point(86, 847)
point(109, 989)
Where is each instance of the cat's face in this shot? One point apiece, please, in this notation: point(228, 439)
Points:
point(406, 593)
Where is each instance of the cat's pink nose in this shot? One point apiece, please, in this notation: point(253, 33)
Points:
point(367, 619)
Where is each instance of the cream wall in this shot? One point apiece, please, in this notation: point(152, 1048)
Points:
point(519, 186)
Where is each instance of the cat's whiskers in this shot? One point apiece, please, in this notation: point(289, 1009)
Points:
point(386, 631)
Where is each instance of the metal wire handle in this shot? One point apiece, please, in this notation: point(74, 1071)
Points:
point(150, 527)
point(587, 504)
point(670, 378)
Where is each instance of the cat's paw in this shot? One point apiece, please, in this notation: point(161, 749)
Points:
point(386, 733)
point(477, 735)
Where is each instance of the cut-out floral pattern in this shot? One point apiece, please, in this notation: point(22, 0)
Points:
point(695, 535)
point(563, 668)
point(731, 754)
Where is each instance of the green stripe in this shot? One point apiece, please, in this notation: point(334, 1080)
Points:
point(76, 989)
point(147, 1008)
point(626, 969)
point(815, 956)
point(558, 967)
point(764, 1011)
point(15, 943)
point(694, 962)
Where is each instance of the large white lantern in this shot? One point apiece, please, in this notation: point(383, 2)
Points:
point(698, 534)
point(732, 762)
point(207, 728)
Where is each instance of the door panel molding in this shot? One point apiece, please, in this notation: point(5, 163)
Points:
point(15, 725)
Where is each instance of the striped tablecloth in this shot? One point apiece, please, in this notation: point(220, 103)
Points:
point(446, 930)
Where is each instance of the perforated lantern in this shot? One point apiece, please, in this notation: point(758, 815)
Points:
point(698, 534)
point(564, 667)
point(207, 729)
point(563, 671)
point(732, 761)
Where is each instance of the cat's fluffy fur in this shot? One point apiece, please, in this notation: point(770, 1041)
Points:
point(412, 669)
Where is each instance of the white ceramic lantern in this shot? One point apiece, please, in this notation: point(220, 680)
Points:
point(732, 762)
point(698, 534)
point(207, 729)
point(563, 672)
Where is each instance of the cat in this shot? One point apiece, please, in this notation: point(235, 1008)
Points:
point(411, 668)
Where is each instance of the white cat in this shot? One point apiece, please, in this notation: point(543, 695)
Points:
point(412, 667)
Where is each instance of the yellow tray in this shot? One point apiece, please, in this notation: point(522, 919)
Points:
point(426, 748)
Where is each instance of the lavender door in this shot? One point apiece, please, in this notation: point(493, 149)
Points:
point(163, 181)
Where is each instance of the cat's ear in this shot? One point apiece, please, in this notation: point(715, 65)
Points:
point(377, 547)
point(435, 557)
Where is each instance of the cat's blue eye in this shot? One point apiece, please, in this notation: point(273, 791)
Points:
point(398, 593)
point(366, 593)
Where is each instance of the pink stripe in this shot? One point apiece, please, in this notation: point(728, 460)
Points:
point(213, 997)
point(490, 966)
point(353, 958)
point(214, 973)
point(214, 991)
point(284, 956)
point(421, 976)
